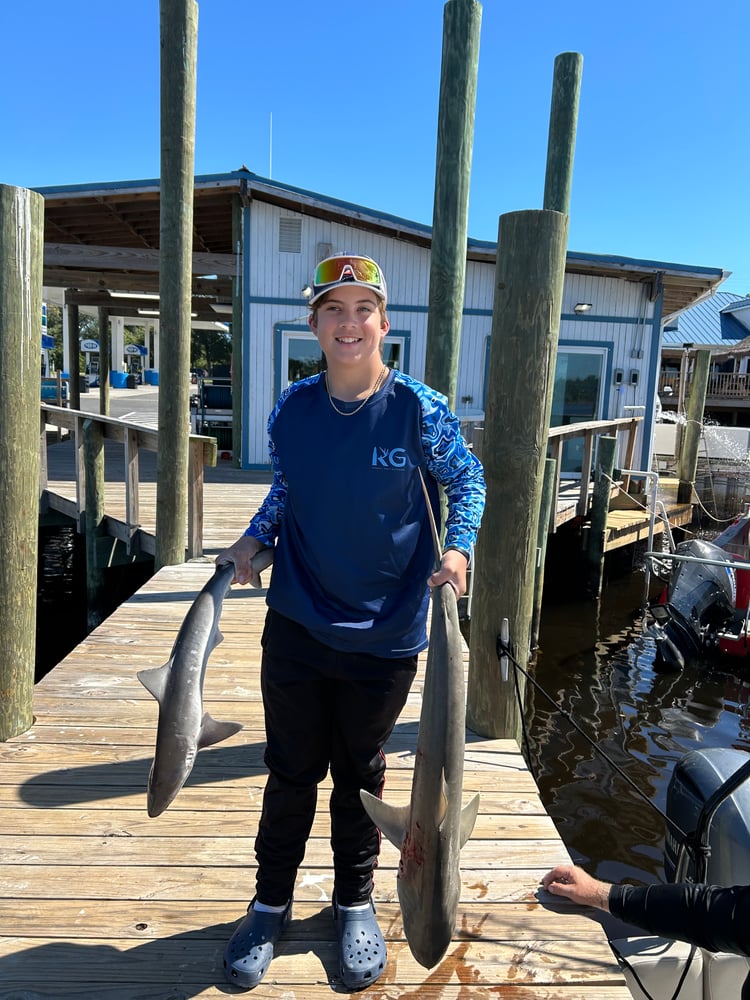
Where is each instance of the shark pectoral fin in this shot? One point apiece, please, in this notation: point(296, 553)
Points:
point(214, 732)
point(392, 821)
point(155, 680)
point(468, 819)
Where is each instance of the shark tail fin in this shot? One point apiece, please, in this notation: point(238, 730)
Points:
point(392, 821)
point(214, 732)
point(468, 819)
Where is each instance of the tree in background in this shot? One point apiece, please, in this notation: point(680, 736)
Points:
point(88, 328)
point(210, 348)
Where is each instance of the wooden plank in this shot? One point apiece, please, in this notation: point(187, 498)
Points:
point(100, 901)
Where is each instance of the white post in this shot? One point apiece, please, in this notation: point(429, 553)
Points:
point(118, 342)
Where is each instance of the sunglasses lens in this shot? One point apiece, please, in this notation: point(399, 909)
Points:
point(359, 268)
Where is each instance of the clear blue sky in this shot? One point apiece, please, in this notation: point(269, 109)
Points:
point(661, 166)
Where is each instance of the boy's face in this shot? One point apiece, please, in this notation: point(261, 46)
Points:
point(349, 325)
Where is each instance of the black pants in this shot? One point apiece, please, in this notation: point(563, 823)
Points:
point(323, 708)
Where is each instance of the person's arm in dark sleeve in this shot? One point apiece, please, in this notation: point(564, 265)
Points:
point(709, 916)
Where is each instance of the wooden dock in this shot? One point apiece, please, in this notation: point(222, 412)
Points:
point(99, 902)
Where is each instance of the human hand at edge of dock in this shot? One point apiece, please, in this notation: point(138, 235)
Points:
point(577, 885)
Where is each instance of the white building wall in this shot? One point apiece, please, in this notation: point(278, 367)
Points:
point(276, 280)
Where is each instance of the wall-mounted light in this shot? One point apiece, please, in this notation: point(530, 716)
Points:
point(582, 307)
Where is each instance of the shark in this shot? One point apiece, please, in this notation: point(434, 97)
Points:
point(431, 830)
point(183, 727)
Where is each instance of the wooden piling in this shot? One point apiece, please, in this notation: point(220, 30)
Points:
point(688, 460)
point(458, 88)
point(179, 41)
point(545, 510)
point(563, 120)
point(529, 276)
point(93, 459)
point(73, 360)
point(595, 544)
point(21, 259)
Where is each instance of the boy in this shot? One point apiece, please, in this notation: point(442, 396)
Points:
point(348, 598)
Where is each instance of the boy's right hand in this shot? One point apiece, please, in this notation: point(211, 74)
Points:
point(241, 554)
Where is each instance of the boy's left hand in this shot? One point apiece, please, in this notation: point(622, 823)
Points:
point(452, 570)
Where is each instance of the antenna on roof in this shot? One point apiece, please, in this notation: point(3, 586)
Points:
point(270, 145)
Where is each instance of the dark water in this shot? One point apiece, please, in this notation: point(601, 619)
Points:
point(597, 666)
point(61, 592)
point(61, 595)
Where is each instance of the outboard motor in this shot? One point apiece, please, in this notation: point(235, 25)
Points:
point(708, 799)
point(699, 599)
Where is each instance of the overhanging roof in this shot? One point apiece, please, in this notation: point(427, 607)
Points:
point(104, 238)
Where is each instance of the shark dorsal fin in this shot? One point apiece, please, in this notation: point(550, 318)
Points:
point(155, 680)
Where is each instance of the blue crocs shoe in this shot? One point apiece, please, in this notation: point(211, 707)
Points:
point(250, 949)
point(362, 951)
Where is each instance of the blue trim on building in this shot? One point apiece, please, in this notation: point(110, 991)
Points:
point(245, 443)
point(654, 365)
point(593, 318)
point(649, 265)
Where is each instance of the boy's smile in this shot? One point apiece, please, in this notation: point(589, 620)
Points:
point(350, 327)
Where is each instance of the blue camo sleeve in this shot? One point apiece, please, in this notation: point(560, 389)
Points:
point(455, 467)
point(265, 524)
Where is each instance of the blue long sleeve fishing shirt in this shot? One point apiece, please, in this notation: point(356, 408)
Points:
point(348, 516)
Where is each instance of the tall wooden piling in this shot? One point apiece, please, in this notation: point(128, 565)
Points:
point(596, 541)
point(529, 275)
point(458, 88)
point(93, 457)
point(688, 459)
point(21, 258)
point(563, 122)
point(179, 42)
point(72, 361)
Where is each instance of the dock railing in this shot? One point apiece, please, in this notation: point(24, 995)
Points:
point(133, 438)
point(590, 431)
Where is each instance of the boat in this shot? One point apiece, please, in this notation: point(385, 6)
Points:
point(705, 605)
point(708, 833)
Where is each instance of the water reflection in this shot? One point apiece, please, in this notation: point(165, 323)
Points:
point(598, 667)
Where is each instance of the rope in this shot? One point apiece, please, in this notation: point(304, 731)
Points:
point(505, 649)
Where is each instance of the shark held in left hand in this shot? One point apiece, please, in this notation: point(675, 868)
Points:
point(183, 727)
point(431, 830)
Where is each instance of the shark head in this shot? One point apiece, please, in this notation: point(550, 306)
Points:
point(169, 772)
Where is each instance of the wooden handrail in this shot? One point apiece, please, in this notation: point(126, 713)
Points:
point(134, 438)
point(589, 430)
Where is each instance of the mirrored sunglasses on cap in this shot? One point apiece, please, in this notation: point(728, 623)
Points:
point(343, 269)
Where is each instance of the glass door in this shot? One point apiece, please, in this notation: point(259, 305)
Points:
point(577, 397)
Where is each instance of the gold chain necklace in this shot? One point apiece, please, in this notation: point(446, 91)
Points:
point(368, 397)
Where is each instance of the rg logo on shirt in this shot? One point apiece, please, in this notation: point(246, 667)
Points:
point(388, 458)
